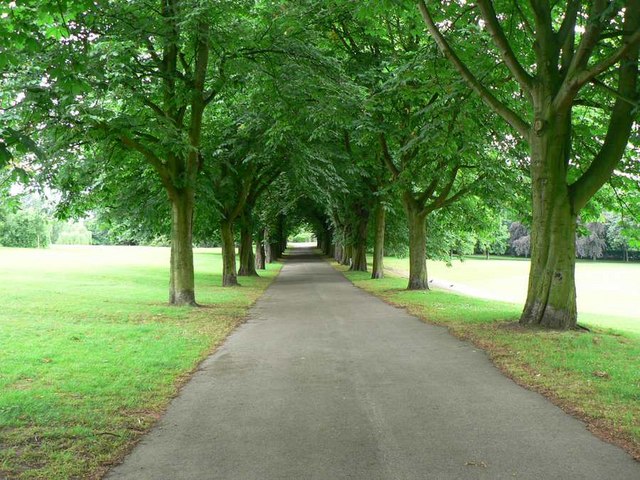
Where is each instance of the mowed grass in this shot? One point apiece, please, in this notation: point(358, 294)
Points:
point(595, 375)
point(90, 352)
point(608, 293)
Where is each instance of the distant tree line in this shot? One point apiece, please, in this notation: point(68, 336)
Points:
point(612, 238)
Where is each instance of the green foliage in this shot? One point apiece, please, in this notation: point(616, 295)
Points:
point(26, 228)
point(73, 233)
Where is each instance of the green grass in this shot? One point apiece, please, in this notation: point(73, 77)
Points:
point(608, 293)
point(595, 375)
point(90, 353)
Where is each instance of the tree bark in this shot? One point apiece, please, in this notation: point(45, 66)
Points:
point(260, 252)
point(346, 255)
point(337, 252)
point(181, 285)
point(377, 271)
point(247, 259)
point(359, 263)
point(551, 295)
point(229, 276)
point(346, 251)
point(416, 218)
point(268, 253)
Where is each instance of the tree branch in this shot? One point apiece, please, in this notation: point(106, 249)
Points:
point(463, 191)
point(511, 117)
point(525, 20)
point(620, 122)
point(386, 155)
point(609, 62)
point(440, 199)
point(567, 34)
point(422, 199)
point(506, 52)
point(152, 158)
point(546, 45)
point(589, 38)
point(155, 107)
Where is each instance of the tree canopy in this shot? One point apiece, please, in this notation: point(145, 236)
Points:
point(425, 128)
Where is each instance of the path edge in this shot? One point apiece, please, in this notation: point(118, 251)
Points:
point(599, 429)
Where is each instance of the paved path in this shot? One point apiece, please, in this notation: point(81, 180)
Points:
point(327, 382)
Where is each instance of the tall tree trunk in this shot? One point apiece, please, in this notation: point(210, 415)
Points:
point(229, 276)
point(273, 251)
point(326, 241)
point(337, 252)
point(182, 284)
point(247, 259)
point(377, 271)
point(551, 296)
point(359, 263)
point(416, 218)
point(346, 255)
point(281, 239)
point(260, 252)
point(268, 252)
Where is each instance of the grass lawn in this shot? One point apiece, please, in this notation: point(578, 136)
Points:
point(595, 376)
point(608, 293)
point(90, 353)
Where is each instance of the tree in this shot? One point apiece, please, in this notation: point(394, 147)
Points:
point(552, 58)
point(592, 245)
point(431, 155)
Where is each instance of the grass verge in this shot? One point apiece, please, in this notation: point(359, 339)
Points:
point(607, 292)
point(592, 375)
point(91, 354)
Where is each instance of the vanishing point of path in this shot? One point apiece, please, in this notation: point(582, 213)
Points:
point(327, 382)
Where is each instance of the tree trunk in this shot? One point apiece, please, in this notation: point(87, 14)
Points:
point(417, 247)
point(229, 277)
point(268, 253)
point(260, 252)
point(182, 284)
point(346, 255)
point(377, 271)
point(326, 241)
point(337, 252)
point(247, 259)
point(279, 241)
point(273, 252)
point(551, 296)
point(359, 263)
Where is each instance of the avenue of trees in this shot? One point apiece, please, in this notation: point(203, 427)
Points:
point(429, 128)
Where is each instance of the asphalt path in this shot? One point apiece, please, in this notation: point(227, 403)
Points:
point(327, 382)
